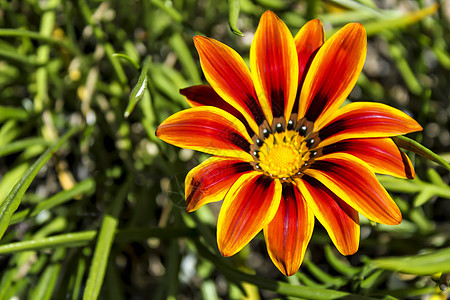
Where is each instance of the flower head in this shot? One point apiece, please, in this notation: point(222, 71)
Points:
point(285, 152)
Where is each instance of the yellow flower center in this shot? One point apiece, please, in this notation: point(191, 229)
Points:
point(281, 152)
point(281, 161)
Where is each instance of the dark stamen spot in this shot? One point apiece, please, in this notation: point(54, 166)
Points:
point(302, 130)
point(259, 142)
point(312, 154)
point(290, 125)
point(279, 127)
point(256, 153)
point(266, 133)
point(257, 166)
point(309, 143)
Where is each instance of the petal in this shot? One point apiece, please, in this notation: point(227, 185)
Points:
point(229, 76)
point(339, 219)
point(365, 120)
point(289, 232)
point(382, 155)
point(333, 72)
point(204, 95)
point(307, 41)
point(211, 180)
point(250, 205)
point(207, 129)
point(274, 65)
point(352, 180)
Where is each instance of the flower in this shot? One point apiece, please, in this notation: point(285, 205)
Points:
point(285, 151)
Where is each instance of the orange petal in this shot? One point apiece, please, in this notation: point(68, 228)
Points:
point(308, 39)
point(229, 76)
point(382, 155)
point(339, 219)
point(353, 181)
point(289, 232)
point(211, 180)
point(333, 72)
point(274, 65)
point(249, 205)
point(207, 129)
point(365, 120)
point(205, 95)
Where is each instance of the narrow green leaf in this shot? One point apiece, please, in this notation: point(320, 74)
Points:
point(48, 279)
point(78, 277)
point(184, 55)
point(397, 22)
point(422, 264)
point(12, 201)
point(82, 238)
point(233, 14)
point(12, 113)
point(139, 89)
point(170, 10)
point(21, 145)
point(103, 248)
point(100, 259)
point(411, 145)
point(423, 197)
point(280, 287)
point(83, 187)
point(63, 240)
point(127, 58)
point(342, 267)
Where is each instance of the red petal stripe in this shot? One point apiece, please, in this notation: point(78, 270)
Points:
point(211, 180)
point(229, 76)
point(204, 95)
point(352, 180)
point(381, 154)
point(207, 129)
point(288, 234)
point(339, 219)
point(274, 65)
point(250, 205)
point(333, 72)
point(365, 120)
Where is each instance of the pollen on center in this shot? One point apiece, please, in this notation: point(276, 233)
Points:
point(282, 161)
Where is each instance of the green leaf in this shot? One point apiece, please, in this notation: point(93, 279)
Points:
point(422, 264)
point(103, 248)
point(139, 89)
point(21, 145)
point(233, 15)
point(12, 201)
point(12, 113)
point(397, 22)
point(127, 58)
point(411, 145)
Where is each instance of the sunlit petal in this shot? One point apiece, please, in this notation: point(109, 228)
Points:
point(205, 95)
point(307, 41)
point(333, 72)
point(353, 181)
point(289, 232)
point(207, 129)
point(274, 65)
point(365, 120)
point(211, 180)
point(339, 219)
point(250, 205)
point(381, 154)
point(229, 76)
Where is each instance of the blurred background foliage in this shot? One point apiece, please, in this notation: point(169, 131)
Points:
point(91, 202)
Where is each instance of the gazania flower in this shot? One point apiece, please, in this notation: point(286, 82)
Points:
point(285, 152)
